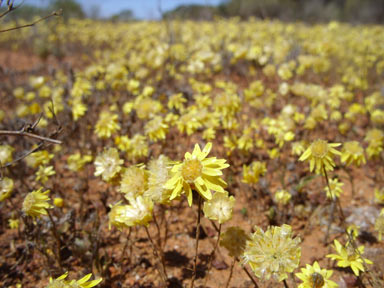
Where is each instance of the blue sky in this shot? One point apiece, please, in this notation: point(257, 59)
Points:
point(143, 9)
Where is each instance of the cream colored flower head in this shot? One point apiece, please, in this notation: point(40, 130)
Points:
point(234, 239)
point(108, 164)
point(273, 253)
point(138, 212)
point(133, 182)
point(159, 171)
point(6, 188)
point(199, 173)
point(220, 207)
point(315, 277)
point(36, 203)
point(320, 156)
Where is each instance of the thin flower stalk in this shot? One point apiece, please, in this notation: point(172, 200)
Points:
point(162, 271)
point(211, 256)
point(196, 241)
point(230, 273)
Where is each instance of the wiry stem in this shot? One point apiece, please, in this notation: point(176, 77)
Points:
point(197, 241)
point(331, 217)
point(126, 245)
point(160, 244)
point(57, 238)
point(158, 230)
point(211, 256)
point(230, 273)
point(162, 271)
point(250, 277)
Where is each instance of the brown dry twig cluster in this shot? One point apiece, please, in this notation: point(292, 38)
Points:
point(28, 130)
point(11, 7)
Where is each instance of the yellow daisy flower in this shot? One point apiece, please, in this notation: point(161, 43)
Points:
point(282, 197)
point(352, 153)
point(319, 154)
point(77, 161)
point(107, 124)
point(156, 129)
point(36, 203)
point(84, 283)
point(197, 172)
point(336, 189)
point(44, 173)
point(315, 277)
point(347, 257)
point(13, 223)
point(60, 282)
point(252, 173)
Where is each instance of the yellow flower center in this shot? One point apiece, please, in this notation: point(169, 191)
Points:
point(317, 280)
point(191, 170)
point(319, 148)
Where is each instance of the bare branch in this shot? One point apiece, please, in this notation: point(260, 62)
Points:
point(55, 13)
point(30, 135)
point(11, 7)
